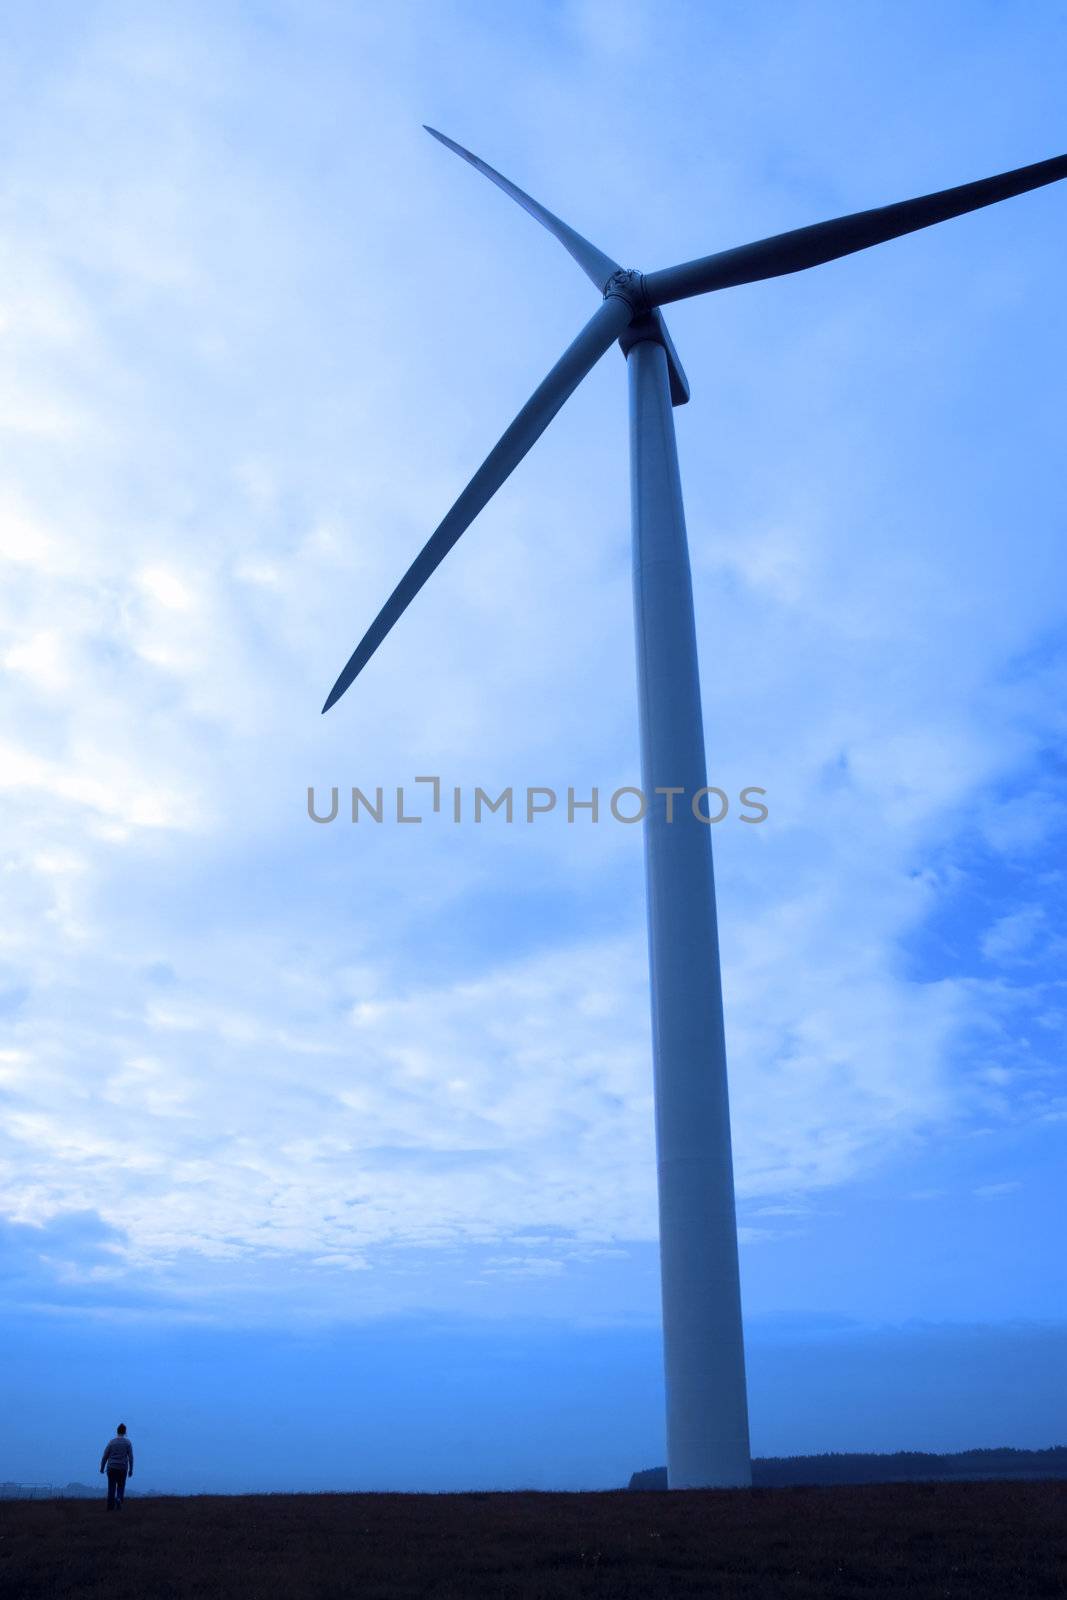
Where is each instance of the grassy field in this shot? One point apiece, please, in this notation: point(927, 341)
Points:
point(975, 1541)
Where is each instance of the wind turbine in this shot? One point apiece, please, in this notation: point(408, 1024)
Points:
point(707, 1409)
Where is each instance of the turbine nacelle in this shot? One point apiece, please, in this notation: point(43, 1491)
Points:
point(628, 285)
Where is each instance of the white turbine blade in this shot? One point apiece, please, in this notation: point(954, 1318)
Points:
point(675, 371)
point(825, 241)
point(593, 262)
point(601, 331)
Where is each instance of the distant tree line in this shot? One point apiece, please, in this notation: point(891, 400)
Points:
point(49, 1491)
point(904, 1466)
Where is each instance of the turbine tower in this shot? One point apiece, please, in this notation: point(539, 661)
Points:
point(707, 1409)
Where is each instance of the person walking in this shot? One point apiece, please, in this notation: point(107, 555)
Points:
point(118, 1461)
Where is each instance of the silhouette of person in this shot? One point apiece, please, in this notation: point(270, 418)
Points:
point(118, 1460)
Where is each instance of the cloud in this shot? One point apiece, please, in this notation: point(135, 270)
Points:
point(72, 1248)
point(249, 372)
point(1011, 937)
point(448, 1114)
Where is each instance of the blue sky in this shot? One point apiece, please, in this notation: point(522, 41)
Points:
point(359, 1119)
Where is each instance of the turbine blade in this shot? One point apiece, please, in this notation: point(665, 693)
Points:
point(825, 241)
point(593, 262)
point(601, 331)
point(675, 370)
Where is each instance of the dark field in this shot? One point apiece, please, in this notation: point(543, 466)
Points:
point(977, 1541)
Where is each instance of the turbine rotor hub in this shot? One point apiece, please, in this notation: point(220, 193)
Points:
point(628, 284)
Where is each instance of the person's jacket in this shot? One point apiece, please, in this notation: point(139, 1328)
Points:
point(119, 1453)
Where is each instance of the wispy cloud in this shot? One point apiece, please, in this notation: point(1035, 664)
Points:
point(992, 1191)
point(1011, 937)
point(249, 369)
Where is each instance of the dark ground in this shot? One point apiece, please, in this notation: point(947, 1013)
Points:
point(974, 1541)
